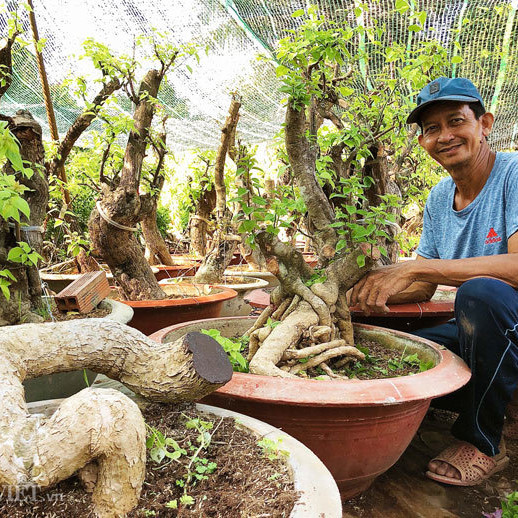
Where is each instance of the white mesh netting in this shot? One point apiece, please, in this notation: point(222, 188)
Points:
point(235, 31)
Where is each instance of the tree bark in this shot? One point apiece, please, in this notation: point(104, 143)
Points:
point(156, 248)
point(302, 155)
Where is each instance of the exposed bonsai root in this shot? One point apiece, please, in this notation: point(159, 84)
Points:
point(346, 350)
point(261, 320)
point(315, 318)
point(291, 354)
point(256, 338)
point(279, 312)
point(320, 333)
point(285, 335)
point(291, 308)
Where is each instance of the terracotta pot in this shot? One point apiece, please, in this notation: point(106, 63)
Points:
point(358, 428)
point(64, 384)
point(196, 301)
point(405, 317)
point(171, 272)
point(57, 282)
point(237, 306)
point(318, 493)
point(185, 260)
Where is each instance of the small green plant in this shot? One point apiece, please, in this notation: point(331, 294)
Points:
point(271, 449)
point(232, 348)
point(510, 505)
point(159, 446)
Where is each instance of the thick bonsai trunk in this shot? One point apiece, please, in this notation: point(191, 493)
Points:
point(120, 249)
point(103, 430)
point(302, 154)
point(314, 330)
point(378, 169)
point(222, 248)
point(156, 248)
point(199, 228)
point(122, 206)
point(26, 291)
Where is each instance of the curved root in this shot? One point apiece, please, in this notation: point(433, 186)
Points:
point(328, 355)
point(297, 354)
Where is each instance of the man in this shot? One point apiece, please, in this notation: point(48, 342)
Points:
point(470, 240)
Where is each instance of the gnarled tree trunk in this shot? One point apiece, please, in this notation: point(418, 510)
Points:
point(26, 291)
point(223, 244)
point(121, 207)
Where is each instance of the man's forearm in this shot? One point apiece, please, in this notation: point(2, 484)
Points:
point(454, 272)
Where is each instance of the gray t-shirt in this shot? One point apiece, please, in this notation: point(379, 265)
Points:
point(481, 228)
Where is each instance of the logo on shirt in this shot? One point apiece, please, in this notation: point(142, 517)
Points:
point(492, 237)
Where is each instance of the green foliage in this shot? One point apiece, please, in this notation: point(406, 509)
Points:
point(510, 505)
point(232, 348)
point(12, 204)
point(272, 449)
point(337, 64)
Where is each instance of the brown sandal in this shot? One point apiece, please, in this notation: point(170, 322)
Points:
point(473, 465)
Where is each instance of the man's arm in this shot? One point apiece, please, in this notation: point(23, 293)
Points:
point(388, 283)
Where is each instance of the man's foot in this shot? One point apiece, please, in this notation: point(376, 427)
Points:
point(462, 464)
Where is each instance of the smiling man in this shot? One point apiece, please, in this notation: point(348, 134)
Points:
point(469, 240)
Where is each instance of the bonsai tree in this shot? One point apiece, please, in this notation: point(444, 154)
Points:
point(121, 205)
point(102, 429)
point(346, 141)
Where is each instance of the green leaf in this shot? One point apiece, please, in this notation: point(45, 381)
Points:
point(297, 13)
point(415, 28)
point(247, 226)
point(361, 260)
point(457, 59)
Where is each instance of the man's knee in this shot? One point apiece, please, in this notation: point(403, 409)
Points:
point(481, 292)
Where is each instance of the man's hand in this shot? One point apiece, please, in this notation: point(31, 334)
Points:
point(372, 291)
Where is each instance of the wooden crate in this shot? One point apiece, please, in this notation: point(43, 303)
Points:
point(84, 294)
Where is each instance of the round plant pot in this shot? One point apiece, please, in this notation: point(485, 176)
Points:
point(194, 301)
point(240, 271)
point(237, 306)
point(185, 260)
point(172, 272)
point(64, 384)
point(405, 317)
point(358, 428)
point(57, 282)
point(318, 493)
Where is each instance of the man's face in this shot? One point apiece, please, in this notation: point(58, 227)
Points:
point(451, 134)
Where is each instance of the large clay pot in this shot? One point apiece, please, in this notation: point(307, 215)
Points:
point(194, 301)
point(318, 493)
point(405, 317)
point(243, 271)
point(172, 272)
point(65, 384)
point(358, 428)
point(237, 306)
point(57, 282)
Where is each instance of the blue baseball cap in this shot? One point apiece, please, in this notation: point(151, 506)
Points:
point(445, 89)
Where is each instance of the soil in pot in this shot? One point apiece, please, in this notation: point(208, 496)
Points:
point(235, 475)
